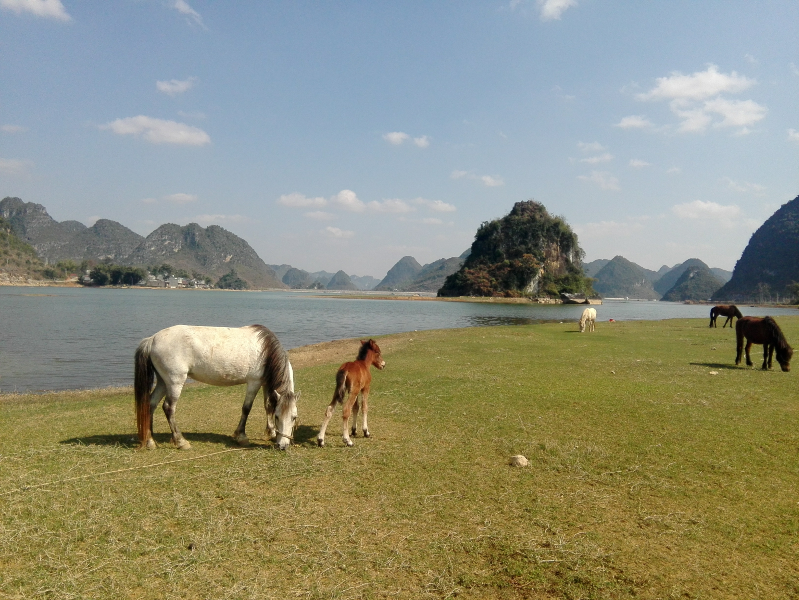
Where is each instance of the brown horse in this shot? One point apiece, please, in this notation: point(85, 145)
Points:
point(729, 311)
point(763, 331)
point(354, 378)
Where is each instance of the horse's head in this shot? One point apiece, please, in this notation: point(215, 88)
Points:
point(285, 417)
point(370, 347)
point(784, 355)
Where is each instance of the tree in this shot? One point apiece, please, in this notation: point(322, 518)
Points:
point(100, 275)
point(232, 281)
point(793, 289)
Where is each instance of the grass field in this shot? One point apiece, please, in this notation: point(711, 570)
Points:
point(657, 469)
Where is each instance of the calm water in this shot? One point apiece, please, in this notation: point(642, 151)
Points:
point(74, 338)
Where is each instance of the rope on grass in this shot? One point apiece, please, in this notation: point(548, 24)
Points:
point(25, 488)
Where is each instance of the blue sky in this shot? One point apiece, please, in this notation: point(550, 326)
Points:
point(345, 135)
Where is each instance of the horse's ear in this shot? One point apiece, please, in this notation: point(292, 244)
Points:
point(275, 396)
point(297, 395)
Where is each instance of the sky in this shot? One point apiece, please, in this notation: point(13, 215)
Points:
point(348, 134)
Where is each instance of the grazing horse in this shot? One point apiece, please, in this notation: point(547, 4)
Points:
point(354, 378)
point(730, 311)
point(217, 356)
point(589, 317)
point(763, 331)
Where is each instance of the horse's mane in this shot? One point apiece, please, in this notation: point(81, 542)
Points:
point(365, 348)
point(275, 374)
point(738, 313)
point(776, 333)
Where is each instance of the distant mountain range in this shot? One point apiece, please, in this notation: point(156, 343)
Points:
point(407, 275)
point(620, 278)
point(211, 251)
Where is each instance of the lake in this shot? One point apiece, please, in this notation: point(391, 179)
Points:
point(76, 338)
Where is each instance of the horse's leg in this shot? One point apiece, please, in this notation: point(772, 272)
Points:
point(320, 438)
point(768, 352)
point(365, 410)
point(355, 407)
point(748, 357)
point(240, 434)
point(345, 414)
point(173, 389)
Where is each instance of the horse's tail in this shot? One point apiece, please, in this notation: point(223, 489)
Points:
point(712, 314)
point(341, 386)
point(144, 374)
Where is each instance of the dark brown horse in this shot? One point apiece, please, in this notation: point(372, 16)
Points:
point(729, 311)
point(354, 378)
point(763, 331)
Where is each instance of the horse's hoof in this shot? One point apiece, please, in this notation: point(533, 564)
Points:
point(353, 433)
point(320, 442)
point(349, 443)
point(183, 445)
point(366, 433)
point(242, 440)
point(150, 444)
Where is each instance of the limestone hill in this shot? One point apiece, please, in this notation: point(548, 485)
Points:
point(526, 252)
point(770, 262)
point(697, 283)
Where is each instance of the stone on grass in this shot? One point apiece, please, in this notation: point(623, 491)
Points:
point(518, 461)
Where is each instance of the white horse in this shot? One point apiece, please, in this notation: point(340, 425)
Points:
point(217, 356)
point(589, 318)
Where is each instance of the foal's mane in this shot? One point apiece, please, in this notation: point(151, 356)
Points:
point(365, 348)
point(275, 375)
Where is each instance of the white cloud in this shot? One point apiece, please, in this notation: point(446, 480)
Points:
point(192, 16)
point(635, 122)
point(347, 200)
point(793, 135)
point(13, 129)
point(159, 131)
point(550, 10)
point(173, 87)
point(751, 59)
point(487, 180)
point(422, 142)
point(12, 166)
point(432, 221)
point(744, 187)
point(395, 206)
point(674, 171)
point(595, 160)
point(436, 205)
point(396, 137)
point(699, 86)
point(697, 100)
point(297, 200)
point(48, 9)
point(490, 181)
point(339, 233)
point(699, 210)
point(736, 113)
point(603, 179)
point(320, 215)
point(591, 147)
point(637, 163)
point(180, 198)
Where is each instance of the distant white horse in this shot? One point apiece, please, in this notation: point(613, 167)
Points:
point(217, 356)
point(589, 318)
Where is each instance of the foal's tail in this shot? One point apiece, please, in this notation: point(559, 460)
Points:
point(341, 386)
point(144, 374)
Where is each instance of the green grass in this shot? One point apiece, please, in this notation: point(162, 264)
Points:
point(649, 477)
